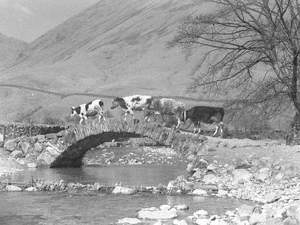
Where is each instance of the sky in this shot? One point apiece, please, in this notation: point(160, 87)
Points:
point(28, 19)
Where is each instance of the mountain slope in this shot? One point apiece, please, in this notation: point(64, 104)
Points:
point(9, 49)
point(115, 47)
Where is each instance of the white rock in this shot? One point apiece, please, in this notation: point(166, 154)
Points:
point(123, 190)
point(31, 165)
point(200, 213)
point(245, 211)
point(165, 207)
point(13, 188)
point(179, 222)
point(181, 207)
point(31, 189)
point(200, 192)
point(202, 221)
point(222, 193)
point(129, 221)
point(158, 223)
point(257, 218)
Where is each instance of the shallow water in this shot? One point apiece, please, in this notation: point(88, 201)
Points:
point(127, 175)
point(95, 208)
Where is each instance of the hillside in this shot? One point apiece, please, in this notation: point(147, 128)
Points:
point(9, 49)
point(115, 47)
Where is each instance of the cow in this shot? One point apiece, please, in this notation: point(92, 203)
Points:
point(167, 106)
point(205, 114)
point(132, 103)
point(88, 109)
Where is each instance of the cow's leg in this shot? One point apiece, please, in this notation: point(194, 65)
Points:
point(81, 119)
point(178, 123)
point(216, 131)
point(198, 127)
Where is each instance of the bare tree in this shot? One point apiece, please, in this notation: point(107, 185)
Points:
point(251, 45)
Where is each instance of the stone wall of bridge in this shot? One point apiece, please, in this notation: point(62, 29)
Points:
point(67, 147)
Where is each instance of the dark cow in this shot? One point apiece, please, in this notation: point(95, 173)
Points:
point(205, 114)
point(88, 109)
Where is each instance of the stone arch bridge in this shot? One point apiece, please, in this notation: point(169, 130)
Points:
point(67, 147)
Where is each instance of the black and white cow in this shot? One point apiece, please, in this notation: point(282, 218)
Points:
point(132, 103)
point(88, 109)
point(205, 114)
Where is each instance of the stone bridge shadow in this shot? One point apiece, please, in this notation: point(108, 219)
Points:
point(75, 141)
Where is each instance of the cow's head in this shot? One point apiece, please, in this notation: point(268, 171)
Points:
point(118, 102)
point(75, 111)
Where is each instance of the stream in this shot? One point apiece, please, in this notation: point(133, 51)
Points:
point(29, 208)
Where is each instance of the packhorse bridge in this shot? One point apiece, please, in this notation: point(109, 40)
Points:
point(67, 147)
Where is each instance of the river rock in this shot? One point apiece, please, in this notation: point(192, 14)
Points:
point(129, 221)
point(210, 179)
point(244, 211)
point(31, 189)
point(32, 165)
point(13, 188)
point(200, 213)
point(123, 190)
point(17, 154)
point(257, 218)
point(10, 145)
point(179, 222)
point(293, 211)
point(202, 221)
point(150, 213)
point(165, 207)
point(181, 207)
point(200, 192)
point(241, 176)
point(218, 222)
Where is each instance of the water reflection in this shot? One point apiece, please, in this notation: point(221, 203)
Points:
point(127, 175)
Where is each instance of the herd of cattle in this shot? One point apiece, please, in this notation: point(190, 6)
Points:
point(155, 106)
